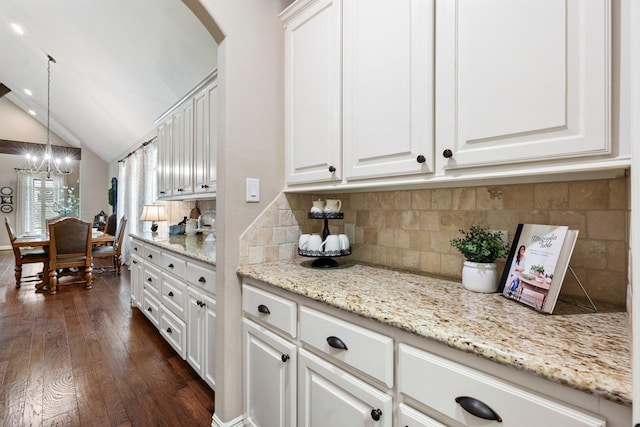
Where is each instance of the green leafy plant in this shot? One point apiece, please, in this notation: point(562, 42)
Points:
point(537, 269)
point(68, 205)
point(480, 244)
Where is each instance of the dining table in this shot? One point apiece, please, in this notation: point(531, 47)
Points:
point(39, 239)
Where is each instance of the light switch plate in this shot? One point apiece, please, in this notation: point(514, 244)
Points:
point(253, 190)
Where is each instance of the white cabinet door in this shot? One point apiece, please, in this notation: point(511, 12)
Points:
point(313, 113)
point(165, 130)
point(269, 378)
point(201, 322)
point(521, 80)
point(136, 281)
point(205, 130)
point(329, 396)
point(388, 87)
point(182, 146)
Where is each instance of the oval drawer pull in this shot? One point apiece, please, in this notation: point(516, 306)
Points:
point(202, 280)
point(284, 357)
point(134, 261)
point(478, 408)
point(170, 294)
point(336, 342)
point(263, 309)
point(170, 266)
point(376, 414)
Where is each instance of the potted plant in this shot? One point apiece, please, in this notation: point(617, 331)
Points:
point(480, 247)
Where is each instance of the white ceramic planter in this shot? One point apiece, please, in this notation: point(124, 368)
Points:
point(480, 277)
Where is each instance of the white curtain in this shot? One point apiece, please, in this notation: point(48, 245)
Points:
point(137, 186)
point(30, 214)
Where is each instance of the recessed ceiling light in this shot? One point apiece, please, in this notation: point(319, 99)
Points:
point(33, 113)
point(17, 28)
point(28, 92)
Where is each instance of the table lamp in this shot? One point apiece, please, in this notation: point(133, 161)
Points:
point(153, 213)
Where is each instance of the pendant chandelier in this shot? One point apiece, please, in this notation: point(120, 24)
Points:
point(48, 164)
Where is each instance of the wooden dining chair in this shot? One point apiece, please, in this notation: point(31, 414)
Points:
point(25, 256)
point(69, 248)
point(113, 251)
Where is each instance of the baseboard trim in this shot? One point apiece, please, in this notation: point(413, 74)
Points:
point(217, 422)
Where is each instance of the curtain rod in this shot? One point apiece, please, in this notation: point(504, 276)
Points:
point(144, 144)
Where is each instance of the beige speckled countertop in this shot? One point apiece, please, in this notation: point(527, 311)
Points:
point(193, 246)
point(583, 350)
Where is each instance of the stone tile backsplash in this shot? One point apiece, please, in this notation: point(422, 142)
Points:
point(411, 229)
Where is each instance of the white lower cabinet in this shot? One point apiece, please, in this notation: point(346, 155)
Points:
point(201, 335)
point(177, 294)
point(269, 377)
point(329, 396)
point(136, 281)
point(474, 398)
point(409, 417)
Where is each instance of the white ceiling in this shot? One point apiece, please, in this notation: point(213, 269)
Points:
point(119, 65)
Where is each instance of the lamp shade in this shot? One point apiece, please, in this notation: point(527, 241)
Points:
point(153, 213)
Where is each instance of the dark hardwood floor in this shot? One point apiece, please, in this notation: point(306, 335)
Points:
point(86, 358)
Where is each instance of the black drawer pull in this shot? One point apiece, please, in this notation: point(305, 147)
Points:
point(478, 408)
point(170, 266)
point(263, 309)
point(149, 309)
point(150, 256)
point(135, 249)
point(336, 342)
point(149, 280)
point(284, 357)
point(134, 261)
point(376, 414)
point(169, 330)
point(170, 294)
point(202, 280)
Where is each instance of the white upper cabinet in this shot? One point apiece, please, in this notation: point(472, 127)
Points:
point(205, 139)
point(521, 81)
point(313, 113)
point(164, 158)
point(388, 88)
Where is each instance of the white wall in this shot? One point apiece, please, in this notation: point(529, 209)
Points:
point(17, 125)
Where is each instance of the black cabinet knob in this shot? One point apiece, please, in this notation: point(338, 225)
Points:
point(332, 169)
point(263, 309)
point(150, 256)
point(204, 186)
point(202, 280)
point(284, 357)
point(421, 158)
point(336, 342)
point(134, 261)
point(170, 266)
point(169, 330)
point(447, 154)
point(149, 309)
point(376, 414)
point(149, 280)
point(135, 249)
point(478, 408)
point(170, 294)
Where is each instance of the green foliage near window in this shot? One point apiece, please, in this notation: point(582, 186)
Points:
point(68, 204)
point(480, 244)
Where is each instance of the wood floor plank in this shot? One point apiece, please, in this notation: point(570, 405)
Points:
point(87, 358)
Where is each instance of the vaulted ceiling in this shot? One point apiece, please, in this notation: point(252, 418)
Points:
point(119, 65)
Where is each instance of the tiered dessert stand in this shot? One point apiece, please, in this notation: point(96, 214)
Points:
point(325, 259)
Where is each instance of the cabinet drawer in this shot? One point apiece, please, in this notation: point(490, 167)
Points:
point(409, 417)
point(174, 295)
point(174, 264)
point(437, 382)
point(203, 276)
point(153, 255)
point(270, 310)
point(151, 280)
point(367, 351)
point(137, 248)
point(151, 308)
point(174, 331)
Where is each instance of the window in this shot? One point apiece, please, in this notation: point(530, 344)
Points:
point(37, 196)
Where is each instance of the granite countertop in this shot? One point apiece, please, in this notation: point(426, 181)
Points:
point(584, 350)
point(194, 246)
